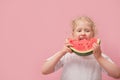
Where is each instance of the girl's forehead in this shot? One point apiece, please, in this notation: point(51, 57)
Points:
point(83, 27)
point(82, 23)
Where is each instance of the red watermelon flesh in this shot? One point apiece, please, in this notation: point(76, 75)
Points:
point(83, 47)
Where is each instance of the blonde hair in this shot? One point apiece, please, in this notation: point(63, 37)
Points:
point(86, 20)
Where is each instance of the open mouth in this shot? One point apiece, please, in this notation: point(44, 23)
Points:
point(82, 38)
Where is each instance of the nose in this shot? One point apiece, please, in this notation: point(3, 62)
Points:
point(83, 33)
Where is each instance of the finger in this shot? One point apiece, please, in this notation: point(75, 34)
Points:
point(69, 45)
point(70, 50)
point(67, 49)
point(94, 46)
point(66, 40)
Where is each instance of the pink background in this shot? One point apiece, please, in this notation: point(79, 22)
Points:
point(33, 30)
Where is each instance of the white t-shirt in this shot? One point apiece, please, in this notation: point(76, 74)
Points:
point(80, 67)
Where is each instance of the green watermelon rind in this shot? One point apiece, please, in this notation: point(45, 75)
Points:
point(84, 53)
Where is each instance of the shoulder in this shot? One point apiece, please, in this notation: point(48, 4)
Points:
point(70, 57)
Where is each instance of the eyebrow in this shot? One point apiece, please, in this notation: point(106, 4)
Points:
point(84, 28)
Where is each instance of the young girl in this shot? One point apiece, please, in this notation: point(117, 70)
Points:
point(81, 67)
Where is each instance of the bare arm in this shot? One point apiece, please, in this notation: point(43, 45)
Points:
point(111, 68)
point(49, 65)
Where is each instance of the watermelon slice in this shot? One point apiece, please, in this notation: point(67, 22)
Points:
point(83, 47)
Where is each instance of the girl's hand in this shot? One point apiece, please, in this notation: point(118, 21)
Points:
point(97, 50)
point(67, 46)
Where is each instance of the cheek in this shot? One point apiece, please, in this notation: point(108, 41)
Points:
point(91, 34)
point(74, 35)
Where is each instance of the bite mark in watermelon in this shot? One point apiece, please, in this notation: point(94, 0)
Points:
point(83, 47)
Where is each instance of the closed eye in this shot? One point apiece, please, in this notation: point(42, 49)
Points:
point(87, 30)
point(79, 30)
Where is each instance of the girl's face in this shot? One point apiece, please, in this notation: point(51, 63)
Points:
point(83, 31)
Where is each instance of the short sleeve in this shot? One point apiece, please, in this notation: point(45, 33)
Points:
point(59, 64)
